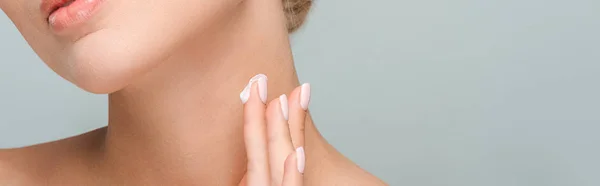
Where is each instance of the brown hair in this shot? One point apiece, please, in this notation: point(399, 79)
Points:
point(295, 12)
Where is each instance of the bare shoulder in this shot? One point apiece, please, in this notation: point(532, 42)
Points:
point(12, 173)
point(31, 165)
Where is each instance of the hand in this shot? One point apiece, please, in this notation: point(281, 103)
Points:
point(274, 135)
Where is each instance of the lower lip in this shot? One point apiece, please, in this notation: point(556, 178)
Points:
point(76, 13)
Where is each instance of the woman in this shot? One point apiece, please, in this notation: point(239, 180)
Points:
point(173, 71)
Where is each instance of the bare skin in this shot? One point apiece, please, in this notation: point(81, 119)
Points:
point(182, 122)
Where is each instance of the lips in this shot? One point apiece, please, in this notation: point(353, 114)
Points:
point(62, 14)
point(50, 6)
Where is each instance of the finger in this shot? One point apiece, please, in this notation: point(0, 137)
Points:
point(255, 138)
point(298, 104)
point(294, 167)
point(280, 143)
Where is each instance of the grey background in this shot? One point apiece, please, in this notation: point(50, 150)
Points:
point(429, 92)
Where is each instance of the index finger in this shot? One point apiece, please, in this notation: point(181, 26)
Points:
point(255, 137)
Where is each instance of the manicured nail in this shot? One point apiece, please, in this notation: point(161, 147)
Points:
point(261, 79)
point(283, 102)
point(262, 88)
point(301, 159)
point(305, 96)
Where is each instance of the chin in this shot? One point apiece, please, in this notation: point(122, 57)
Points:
point(98, 87)
point(101, 63)
point(99, 76)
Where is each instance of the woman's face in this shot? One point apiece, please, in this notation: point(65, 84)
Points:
point(101, 45)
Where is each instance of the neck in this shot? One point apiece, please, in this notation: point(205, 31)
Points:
point(185, 115)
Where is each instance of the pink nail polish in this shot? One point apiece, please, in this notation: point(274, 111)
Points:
point(283, 102)
point(305, 96)
point(262, 88)
point(261, 79)
point(301, 159)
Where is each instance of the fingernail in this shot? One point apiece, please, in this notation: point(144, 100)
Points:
point(262, 88)
point(283, 102)
point(301, 159)
point(305, 96)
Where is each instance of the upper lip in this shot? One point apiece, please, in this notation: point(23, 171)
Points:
point(49, 6)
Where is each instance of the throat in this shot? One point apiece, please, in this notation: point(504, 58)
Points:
point(185, 115)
